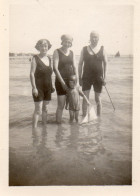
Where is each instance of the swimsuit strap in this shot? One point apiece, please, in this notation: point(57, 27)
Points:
point(91, 49)
point(101, 49)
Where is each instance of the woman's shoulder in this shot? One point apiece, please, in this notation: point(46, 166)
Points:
point(102, 50)
point(102, 47)
point(72, 52)
point(85, 48)
point(56, 54)
point(33, 58)
point(56, 51)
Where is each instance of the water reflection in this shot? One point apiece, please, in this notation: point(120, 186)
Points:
point(59, 135)
point(90, 141)
point(85, 141)
point(36, 136)
point(39, 137)
point(74, 137)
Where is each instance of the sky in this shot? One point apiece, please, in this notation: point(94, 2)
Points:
point(29, 22)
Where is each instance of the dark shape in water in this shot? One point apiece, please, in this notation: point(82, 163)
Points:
point(117, 54)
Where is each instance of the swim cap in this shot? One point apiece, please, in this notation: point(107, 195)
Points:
point(94, 33)
point(66, 37)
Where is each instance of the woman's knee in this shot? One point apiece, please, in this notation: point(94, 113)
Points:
point(60, 107)
point(38, 111)
point(45, 107)
point(38, 108)
point(98, 99)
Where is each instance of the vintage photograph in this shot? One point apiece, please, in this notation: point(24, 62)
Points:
point(70, 93)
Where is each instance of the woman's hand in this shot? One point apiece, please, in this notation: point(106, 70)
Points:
point(103, 81)
point(65, 87)
point(35, 92)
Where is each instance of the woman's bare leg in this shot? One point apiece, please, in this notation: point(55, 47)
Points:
point(98, 103)
point(60, 106)
point(37, 113)
point(76, 116)
point(84, 105)
point(44, 111)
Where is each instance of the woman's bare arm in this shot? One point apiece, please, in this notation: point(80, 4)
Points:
point(105, 62)
point(80, 67)
point(32, 77)
point(75, 68)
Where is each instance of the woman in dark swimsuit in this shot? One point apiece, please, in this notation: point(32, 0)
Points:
point(93, 64)
point(40, 76)
point(64, 66)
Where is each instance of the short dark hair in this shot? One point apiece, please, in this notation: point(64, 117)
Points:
point(39, 42)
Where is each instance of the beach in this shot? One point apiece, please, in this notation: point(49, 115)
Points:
point(70, 154)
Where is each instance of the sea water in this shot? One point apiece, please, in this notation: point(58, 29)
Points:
point(69, 154)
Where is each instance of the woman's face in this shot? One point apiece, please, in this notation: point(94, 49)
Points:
point(43, 48)
point(66, 44)
point(94, 40)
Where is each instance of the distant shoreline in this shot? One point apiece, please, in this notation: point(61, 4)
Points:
point(29, 56)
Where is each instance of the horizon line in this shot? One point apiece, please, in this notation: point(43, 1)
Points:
point(30, 53)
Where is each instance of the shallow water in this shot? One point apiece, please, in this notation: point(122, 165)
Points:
point(69, 154)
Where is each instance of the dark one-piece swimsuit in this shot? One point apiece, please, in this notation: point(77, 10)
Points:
point(43, 80)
